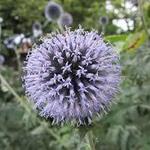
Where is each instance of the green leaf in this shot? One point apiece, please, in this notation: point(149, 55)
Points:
point(134, 41)
point(116, 38)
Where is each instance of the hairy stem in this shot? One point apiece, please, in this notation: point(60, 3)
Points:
point(23, 104)
point(45, 24)
point(18, 98)
point(60, 27)
point(90, 140)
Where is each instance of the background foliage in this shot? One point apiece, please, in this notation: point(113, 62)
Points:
point(125, 127)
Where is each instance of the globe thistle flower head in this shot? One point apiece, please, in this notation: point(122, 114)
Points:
point(53, 11)
point(36, 26)
point(2, 59)
point(72, 77)
point(37, 30)
point(104, 20)
point(66, 19)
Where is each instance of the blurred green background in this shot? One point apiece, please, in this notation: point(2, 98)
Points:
point(127, 125)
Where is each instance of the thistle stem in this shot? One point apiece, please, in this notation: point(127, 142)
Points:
point(20, 100)
point(103, 29)
point(60, 27)
point(90, 140)
point(45, 23)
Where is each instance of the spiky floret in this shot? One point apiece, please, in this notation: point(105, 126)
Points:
point(72, 76)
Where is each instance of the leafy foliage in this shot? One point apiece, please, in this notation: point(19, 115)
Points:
point(125, 127)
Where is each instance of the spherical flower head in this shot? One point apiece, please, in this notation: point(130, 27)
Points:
point(53, 11)
point(72, 77)
point(37, 30)
point(36, 26)
point(104, 20)
point(66, 19)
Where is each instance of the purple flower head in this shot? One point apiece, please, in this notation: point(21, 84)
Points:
point(37, 26)
point(72, 76)
point(37, 29)
point(53, 11)
point(104, 20)
point(66, 19)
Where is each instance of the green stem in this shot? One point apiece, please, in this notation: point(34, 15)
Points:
point(46, 127)
point(20, 100)
point(90, 140)
point(45, 23)
point(60, 27)
point(103, 29)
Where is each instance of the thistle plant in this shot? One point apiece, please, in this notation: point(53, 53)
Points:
point(66, 19)
point(72, 76)
point(37, 26)
point(37, 29)
point(53, 11)
point(104, 20)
